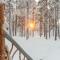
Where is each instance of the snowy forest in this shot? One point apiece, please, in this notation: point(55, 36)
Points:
point(26, 19)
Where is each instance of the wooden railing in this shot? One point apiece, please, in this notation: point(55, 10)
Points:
point(18, 48)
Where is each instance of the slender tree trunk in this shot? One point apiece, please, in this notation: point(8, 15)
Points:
point(9, 17)
point(53, 27)
point(49, 26)
point(27, 30)
point(16, 26)
point(46, 15)
point(56, 18)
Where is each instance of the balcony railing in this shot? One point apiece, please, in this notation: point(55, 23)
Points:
point(18, 48)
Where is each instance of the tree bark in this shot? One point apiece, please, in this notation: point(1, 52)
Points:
point(2, 41)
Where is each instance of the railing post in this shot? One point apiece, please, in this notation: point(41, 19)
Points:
point(2, 41)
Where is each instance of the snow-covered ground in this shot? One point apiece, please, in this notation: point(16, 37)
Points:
point(40, 48)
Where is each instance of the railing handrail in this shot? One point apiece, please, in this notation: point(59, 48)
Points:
point(17, 45)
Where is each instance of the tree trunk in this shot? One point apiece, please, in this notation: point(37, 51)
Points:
point(2, 42)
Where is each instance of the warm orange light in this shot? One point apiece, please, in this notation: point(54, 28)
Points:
point(31, 25)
